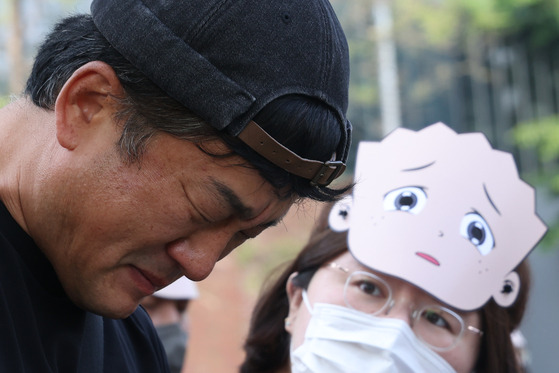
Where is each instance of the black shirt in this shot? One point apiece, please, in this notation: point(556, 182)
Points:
point(42, 331)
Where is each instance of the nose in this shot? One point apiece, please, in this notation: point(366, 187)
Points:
point(399, 309)
point(198, 253)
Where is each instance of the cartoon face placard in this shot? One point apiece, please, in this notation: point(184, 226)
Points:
point(443, 211)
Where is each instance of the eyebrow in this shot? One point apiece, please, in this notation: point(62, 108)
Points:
point(229, 196)
point(418, 168)
point(239, 208)
point(490, 200)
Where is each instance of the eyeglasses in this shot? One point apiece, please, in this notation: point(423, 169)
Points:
point(437, 326)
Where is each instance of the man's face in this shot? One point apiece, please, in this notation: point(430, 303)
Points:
point(117, 232)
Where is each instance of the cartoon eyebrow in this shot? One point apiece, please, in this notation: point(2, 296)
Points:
point(490, 200)
point(418, 168)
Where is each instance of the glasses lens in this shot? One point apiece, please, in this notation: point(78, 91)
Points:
point(439, 327)
point(366, 292)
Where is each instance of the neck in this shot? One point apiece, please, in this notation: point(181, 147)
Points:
point(24, 128)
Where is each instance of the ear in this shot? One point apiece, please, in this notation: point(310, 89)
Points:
point(85, 96)
point(509, 290)
point(295, 298)
point(340, 215)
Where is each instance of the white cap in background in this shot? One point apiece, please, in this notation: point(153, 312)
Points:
point(181, 289)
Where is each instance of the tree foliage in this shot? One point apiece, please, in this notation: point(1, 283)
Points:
point(439, 22)
point(463, 62)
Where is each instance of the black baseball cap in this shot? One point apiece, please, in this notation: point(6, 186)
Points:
point(225, 60)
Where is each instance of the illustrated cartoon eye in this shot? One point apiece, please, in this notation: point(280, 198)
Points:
point(475, 229)
point(409, 199)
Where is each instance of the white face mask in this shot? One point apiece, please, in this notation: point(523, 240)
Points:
point(340, 339)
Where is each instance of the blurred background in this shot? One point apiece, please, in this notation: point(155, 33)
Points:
point(478, 65)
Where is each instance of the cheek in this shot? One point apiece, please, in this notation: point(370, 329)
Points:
point(299, 327)
point(136, 206)
point(462, 358)
point(316, 294)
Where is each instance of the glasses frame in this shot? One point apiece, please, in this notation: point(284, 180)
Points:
point(415, 314)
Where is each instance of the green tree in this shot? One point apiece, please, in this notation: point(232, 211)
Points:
point(543, 136)
point(18, 25)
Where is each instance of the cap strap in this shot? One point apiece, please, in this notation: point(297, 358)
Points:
point(319, 173)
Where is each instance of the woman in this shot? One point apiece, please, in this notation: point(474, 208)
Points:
point(268, 343)
point(326, 307)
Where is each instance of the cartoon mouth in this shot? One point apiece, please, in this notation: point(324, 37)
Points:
point(428, 258)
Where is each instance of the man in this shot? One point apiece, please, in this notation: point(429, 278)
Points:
point(153, 138)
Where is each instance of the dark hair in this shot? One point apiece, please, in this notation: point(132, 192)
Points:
point(267, 345)
point(303, 124)
point(497, 353)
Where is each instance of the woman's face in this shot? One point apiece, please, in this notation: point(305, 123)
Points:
point(327, 286)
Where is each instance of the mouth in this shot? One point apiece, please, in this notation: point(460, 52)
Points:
point(428, 258)
point(146, 282)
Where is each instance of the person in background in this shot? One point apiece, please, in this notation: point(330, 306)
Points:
point(168, 310)
point(152, 139)
point(421, 269)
